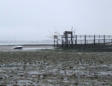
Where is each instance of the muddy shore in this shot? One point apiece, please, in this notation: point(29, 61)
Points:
point(56, 68)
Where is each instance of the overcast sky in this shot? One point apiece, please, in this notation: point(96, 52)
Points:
point(38, 19)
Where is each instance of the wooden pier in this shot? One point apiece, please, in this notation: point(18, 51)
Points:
point(70, 40)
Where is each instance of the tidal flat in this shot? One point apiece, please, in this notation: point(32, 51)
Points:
point(55, 68)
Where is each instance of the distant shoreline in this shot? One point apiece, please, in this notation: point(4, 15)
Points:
point(28, 45)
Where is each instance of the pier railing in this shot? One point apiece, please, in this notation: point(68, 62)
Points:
point(85, 39)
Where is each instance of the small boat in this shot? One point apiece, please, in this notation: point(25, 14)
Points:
point(18, 47)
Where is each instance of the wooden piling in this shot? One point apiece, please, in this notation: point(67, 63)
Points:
point(94, 40)
point(85, 39)
point(75, 39)
point(104, 39)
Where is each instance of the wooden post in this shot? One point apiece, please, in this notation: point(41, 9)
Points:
point(85, 39)
point(104, 39)
point(72, 39)
point(76, 39)
point(94, 40)
point(66, 40)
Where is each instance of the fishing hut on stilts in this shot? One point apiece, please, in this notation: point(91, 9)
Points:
point(56, 44)
point(94, 42)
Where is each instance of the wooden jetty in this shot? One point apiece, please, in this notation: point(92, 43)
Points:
point(70, 40)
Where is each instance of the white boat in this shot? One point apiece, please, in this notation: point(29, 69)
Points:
point(18, 47)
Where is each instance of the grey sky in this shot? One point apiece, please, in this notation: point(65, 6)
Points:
point(37, 19)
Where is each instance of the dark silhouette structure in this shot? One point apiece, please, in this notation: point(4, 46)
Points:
point(56, 41)
point(70, 40)
point(67, 39)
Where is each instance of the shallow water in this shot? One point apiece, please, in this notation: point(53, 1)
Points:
point(25, 48)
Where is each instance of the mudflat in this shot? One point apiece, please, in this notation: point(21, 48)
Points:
point(56, 68)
